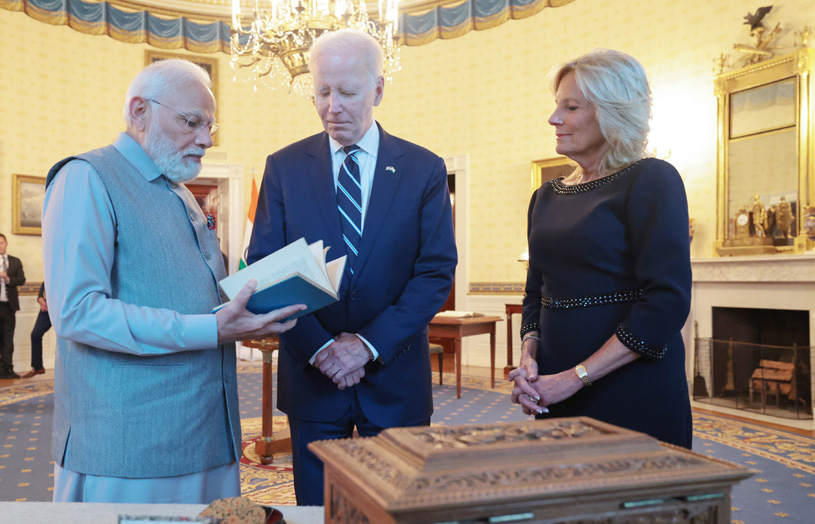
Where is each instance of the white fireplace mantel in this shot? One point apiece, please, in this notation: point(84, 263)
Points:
point(777, 268)
point(784, 282)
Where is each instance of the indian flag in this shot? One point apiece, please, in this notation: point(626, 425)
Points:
point(250, 222)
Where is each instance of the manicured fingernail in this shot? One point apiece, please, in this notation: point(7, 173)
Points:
point(541, 411)
point(537, 399)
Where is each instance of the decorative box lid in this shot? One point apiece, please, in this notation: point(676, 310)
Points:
point(445, 466)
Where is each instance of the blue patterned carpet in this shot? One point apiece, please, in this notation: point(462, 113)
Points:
point(782, 490)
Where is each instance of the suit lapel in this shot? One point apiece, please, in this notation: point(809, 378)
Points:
point(321, 177)
point(388, 171)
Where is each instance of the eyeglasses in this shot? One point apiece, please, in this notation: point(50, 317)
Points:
point(192, 124)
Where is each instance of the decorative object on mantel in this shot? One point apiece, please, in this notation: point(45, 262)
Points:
point(582, 470)
point(784, 218)
point(763, 228)
point(274, 42)
point(759, 216)
point(809, 227)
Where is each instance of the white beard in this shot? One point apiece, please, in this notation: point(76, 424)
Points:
point(168, 159)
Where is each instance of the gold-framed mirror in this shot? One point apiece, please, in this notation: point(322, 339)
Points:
point(765, 180)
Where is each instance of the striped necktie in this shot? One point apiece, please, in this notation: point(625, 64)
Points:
point(349, 202)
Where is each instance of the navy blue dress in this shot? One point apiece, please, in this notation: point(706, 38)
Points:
point(613, 256)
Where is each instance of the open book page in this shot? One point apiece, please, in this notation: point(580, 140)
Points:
point(296, 258)
point(456, 314)
point(335, 269)
point(319, 255)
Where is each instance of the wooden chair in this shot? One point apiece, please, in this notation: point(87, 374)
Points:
point(437, 349)
point(773, 378)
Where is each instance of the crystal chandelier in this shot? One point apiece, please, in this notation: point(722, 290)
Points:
point(274, 43)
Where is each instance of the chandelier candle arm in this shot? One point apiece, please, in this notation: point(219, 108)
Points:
point(274, 43)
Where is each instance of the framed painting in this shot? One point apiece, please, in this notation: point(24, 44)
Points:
point(548, 169)
point(209, 64)
point(28, 194)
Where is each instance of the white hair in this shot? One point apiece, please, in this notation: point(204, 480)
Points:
point(352, 42)
point(163, 75)
point(616, 85)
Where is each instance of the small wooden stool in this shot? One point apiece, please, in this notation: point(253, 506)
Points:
point(438, 349)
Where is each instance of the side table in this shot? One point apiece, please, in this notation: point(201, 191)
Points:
point(267, 445)
point(456, 328)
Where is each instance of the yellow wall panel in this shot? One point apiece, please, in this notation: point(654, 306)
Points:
point(484, 94)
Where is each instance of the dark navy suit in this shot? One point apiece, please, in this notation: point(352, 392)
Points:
point(402, 276)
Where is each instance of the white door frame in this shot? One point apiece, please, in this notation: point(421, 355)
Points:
point(229, 178)
point(459, 166)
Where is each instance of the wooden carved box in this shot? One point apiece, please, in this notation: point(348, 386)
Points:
point(569, 470)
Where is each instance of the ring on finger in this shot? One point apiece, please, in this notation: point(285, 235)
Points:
point(534, 400)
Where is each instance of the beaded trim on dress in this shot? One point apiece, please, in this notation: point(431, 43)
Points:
point(591, 300)
point(639, 346)
point(565, 189)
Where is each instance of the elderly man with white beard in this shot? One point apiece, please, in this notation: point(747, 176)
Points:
point(145, 393)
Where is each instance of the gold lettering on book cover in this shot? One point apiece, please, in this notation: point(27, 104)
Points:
point(455, 437)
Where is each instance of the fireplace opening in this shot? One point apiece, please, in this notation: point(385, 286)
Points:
point(757, 360)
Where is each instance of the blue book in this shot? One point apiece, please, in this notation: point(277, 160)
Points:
point(295, 274)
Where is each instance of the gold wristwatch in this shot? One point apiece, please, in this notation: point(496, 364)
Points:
point(581, 372)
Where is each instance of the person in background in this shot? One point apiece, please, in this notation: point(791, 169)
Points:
point(364, 361)
point(41, 327)
point(145, 385)
point(608, 287)
point(11, 276)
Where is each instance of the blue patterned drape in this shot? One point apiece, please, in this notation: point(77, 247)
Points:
point(143, 26)
point(419, 25)
point(441, 21)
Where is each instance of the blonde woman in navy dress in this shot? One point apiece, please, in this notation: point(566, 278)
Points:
point(608, 288)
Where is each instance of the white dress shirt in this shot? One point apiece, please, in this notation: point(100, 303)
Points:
point(366, 157)
point(3, 267)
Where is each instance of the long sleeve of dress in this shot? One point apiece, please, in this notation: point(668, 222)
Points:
point(658, 227)
point(532, 299)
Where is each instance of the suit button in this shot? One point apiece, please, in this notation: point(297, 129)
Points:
point(353, 295)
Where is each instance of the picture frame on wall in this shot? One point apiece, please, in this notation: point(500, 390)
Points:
point(28, 193)
point(550, 168)
point(210, 65)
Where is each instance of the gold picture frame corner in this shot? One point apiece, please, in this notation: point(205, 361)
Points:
point(547, 169)
point(27, 203)
point(208, 63)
